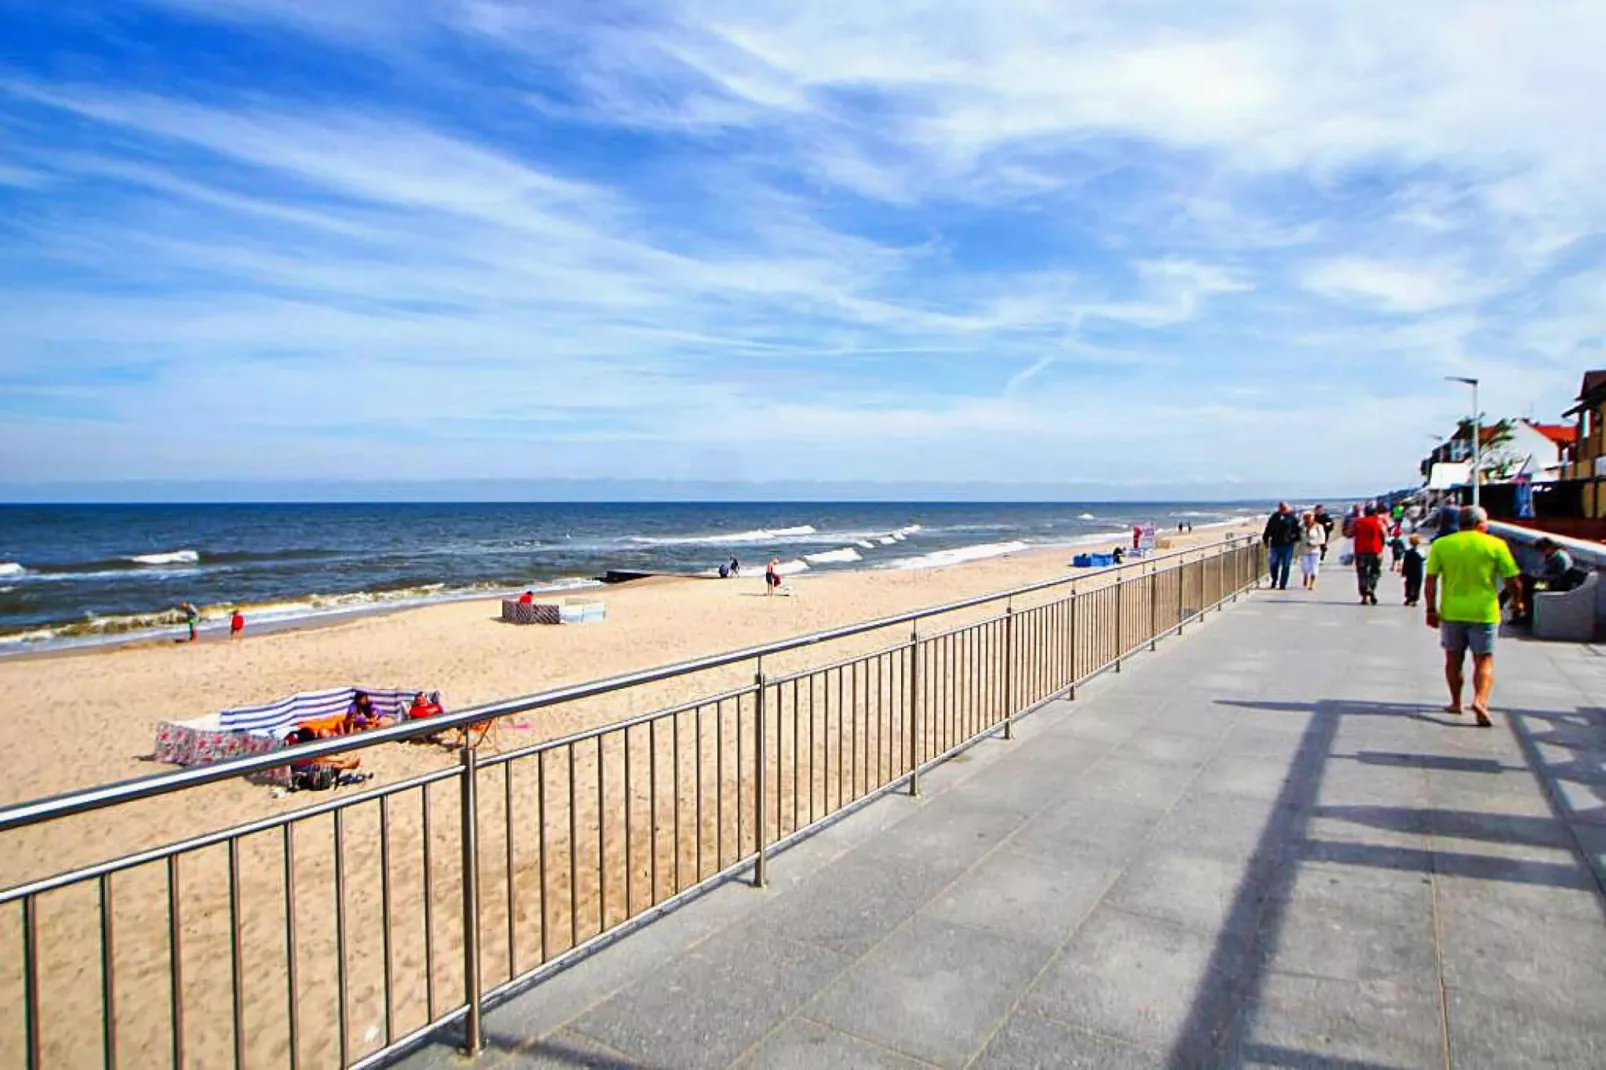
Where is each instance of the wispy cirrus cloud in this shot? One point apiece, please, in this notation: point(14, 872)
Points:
point(850, 240)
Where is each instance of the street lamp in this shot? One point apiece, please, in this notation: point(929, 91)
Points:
point(1477, 433)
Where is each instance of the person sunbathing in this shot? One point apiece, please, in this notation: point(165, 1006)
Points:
point(344, 763)
point(423, 706)
point(362, 715)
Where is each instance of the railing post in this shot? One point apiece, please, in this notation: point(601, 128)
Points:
point(914, 711)
point(1154, 607)
point(472, 1040)
point(760, 876)
point(1120, 638)
point(1009, 671)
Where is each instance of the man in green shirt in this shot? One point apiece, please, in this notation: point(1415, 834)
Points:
point(1472, 565)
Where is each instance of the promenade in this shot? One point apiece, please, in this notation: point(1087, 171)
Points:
point(1261, 845)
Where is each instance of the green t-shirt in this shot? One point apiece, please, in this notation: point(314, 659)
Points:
point(1470, 566)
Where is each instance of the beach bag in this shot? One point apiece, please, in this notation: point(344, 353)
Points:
point(314, 778)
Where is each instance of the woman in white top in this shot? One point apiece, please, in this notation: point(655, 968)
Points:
point(1310, 550)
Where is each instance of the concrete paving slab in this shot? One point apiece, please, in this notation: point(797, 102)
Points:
point(804, 1045)
point(1139, 980)
point(1031, 1042)
point(1321, 1024)
point(566, 1050)
point(1202, 892)
point(1496, 1033)
point(715, 1001)
point(851, 905)
point(1024, 896)
point(933, 990)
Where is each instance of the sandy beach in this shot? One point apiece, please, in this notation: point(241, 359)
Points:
point(95, 713)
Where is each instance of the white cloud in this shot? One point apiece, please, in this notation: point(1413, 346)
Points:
point(1391, 287)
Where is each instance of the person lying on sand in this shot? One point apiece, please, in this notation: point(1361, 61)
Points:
point(422, 707)
point(344, 763)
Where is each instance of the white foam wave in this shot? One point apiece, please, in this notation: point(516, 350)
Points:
point(865, 543)
point(757, 535)
point(959, 555)
point(175, 557)
point(1086, 516)
point(791, 568)
point(11, 568)
point(887, 540)
point(832, 557)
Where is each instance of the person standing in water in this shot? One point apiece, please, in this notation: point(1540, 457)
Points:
point(192, 617)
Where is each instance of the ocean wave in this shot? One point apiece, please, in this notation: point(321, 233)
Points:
point(175, 557)
point(832, 557)
point(887, 540)
point(1086, 516)
point(756, 535)
point(791, 568)
point(11, 568)
point(169, 622)
point(959, 555)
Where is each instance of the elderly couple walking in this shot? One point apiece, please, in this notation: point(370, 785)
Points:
point(1287, 534)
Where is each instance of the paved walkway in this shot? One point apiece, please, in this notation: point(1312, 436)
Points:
point(1260, 846)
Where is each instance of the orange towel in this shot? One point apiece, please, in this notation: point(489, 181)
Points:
point(324, 727)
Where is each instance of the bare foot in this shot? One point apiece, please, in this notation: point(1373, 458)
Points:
point(1482, 715)
point(1454, 707)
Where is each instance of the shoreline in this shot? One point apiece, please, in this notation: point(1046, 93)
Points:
point(215, 627)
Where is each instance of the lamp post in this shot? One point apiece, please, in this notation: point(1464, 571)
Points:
point(1477, 433)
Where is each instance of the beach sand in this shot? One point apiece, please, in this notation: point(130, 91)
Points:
point(94, 714)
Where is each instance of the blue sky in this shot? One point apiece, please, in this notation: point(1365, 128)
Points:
point(1232, 245)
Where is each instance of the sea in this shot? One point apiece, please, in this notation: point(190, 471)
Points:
point(75, 575)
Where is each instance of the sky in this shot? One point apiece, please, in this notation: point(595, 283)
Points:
point(1233, 246)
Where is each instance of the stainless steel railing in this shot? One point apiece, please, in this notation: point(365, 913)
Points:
point(342, 932)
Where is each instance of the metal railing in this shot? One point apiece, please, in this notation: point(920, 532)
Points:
point(345, 931)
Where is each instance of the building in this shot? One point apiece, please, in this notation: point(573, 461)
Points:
point(1587, 465)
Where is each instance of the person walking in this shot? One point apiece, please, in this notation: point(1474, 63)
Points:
point(1411, 566)
point(1370, 536)
point(1312, 543)
point(1465, 571)
point(1282, 535)
point(1325, 519)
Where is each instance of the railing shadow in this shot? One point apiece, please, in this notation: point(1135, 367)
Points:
point(1262, 899)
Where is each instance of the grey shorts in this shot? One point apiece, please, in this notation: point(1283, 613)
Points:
point(1459, 636)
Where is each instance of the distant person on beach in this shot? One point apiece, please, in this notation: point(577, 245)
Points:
point(527, 598)
point(1119, 555)
point(192, 617)
point(362, 716)
point(1465, 571)
point(1325, 519)
point(735, 567)
point(1411, 566)
point(772, 576)
point(1137, 535)
point(236, 625)
point(1371, 536)
point(312, 774)
point(1312, 542)
point(1281, 536)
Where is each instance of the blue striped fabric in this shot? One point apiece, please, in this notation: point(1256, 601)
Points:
point(388, 702)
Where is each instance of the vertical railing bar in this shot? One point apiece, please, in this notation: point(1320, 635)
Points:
point(760, 767)
point(291, 988)
point(175, 954)
point(797, 736)
point(914, 709)
point(32, 1027)
point(426, 819)
point(236, 956)
point(1009, 671)
point(510, 847)
point(853, 708)
point(540, 853)
point(719, 785)
point(574, 849)
point(602, 840)
point(674, 749)
point(699, 815)
point(630, 857)
point(108, 975)
point(469, 814)
point(652, 810)
point(340, 936)
point(385, 918)
point(841, 758)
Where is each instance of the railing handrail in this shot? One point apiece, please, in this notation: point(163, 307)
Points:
point(1581, 549)
point(83, 800)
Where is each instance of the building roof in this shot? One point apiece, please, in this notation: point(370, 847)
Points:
point(1591, 393)
point(1560, 434)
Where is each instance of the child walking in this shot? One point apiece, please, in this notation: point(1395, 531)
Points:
point(1411, 565)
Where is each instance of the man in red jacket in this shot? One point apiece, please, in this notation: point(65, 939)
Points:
point(1371, 535)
